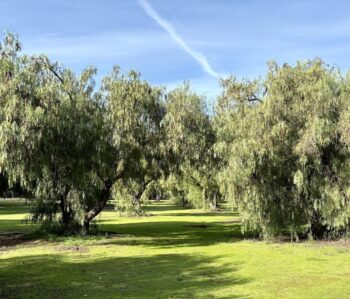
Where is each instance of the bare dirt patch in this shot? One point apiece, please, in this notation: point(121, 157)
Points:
point(8, 240)
point(341, 244)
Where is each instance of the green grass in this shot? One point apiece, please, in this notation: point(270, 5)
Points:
point(174, 253)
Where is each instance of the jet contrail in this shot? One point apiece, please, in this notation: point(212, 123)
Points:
point(168, 27)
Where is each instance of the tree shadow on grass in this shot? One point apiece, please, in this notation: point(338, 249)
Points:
point(80, 276)
point(16, 226)
point(11, 239)
point(9, 209)
point(13, 207)
point(172, 210)
point(162, 206)
point(173, 233)
point(200, 214)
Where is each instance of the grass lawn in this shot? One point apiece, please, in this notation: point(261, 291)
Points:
point(172, 253)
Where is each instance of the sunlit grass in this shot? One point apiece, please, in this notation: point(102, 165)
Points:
point(170, 253)
point(13, 213)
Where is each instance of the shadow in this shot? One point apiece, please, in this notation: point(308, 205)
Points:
point(14, 222)
point(16, 226)
point(11, 239)
point(202, 214)
point(173, 233)
point(13, 207)
point(161, 206)
point(173, 210)
point(77, 276)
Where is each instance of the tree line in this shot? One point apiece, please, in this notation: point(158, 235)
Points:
point(276, 148)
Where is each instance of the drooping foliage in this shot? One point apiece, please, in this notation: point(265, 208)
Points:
point(191, 139)
point(285, 142)
point(47, 121)
point(134, 111)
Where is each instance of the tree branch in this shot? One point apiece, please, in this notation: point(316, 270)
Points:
point(254, 98)
point(58, 76)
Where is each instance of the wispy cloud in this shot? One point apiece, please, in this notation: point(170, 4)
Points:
point(168, 27)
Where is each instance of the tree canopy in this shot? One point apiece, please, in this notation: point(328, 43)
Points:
point(285, 144)
point(275, 148)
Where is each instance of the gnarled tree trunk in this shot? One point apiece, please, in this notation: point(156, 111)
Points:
point(101, 203)
point(136, 199)
point(66, 211)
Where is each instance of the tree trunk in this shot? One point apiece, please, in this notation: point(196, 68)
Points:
point(136, 200)
point(101, 203)
point(67, 218)
point(204, 199)
point(318, 230)
point(214, 202)
point(67, 212)
point(184, 201)
point(136, 203)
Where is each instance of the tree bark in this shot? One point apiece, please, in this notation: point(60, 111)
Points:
point(101, 203)
point(67, 213)
point(136, 200)
point(136, 203)
point(318, 230)
point(214, 202)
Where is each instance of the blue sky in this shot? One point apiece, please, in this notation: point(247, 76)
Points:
point(171, 41)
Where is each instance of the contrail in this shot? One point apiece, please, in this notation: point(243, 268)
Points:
point(168, 27)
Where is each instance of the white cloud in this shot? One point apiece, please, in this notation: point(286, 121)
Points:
point(168, 27)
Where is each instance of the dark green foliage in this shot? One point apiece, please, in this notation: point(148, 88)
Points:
point(287, 160)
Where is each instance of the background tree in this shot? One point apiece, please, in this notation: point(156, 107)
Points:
point(134, 110)
point(190, 138)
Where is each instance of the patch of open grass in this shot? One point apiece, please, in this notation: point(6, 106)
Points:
point(12, 216)
point(174, 253)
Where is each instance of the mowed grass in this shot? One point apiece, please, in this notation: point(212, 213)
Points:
point(171, 253)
